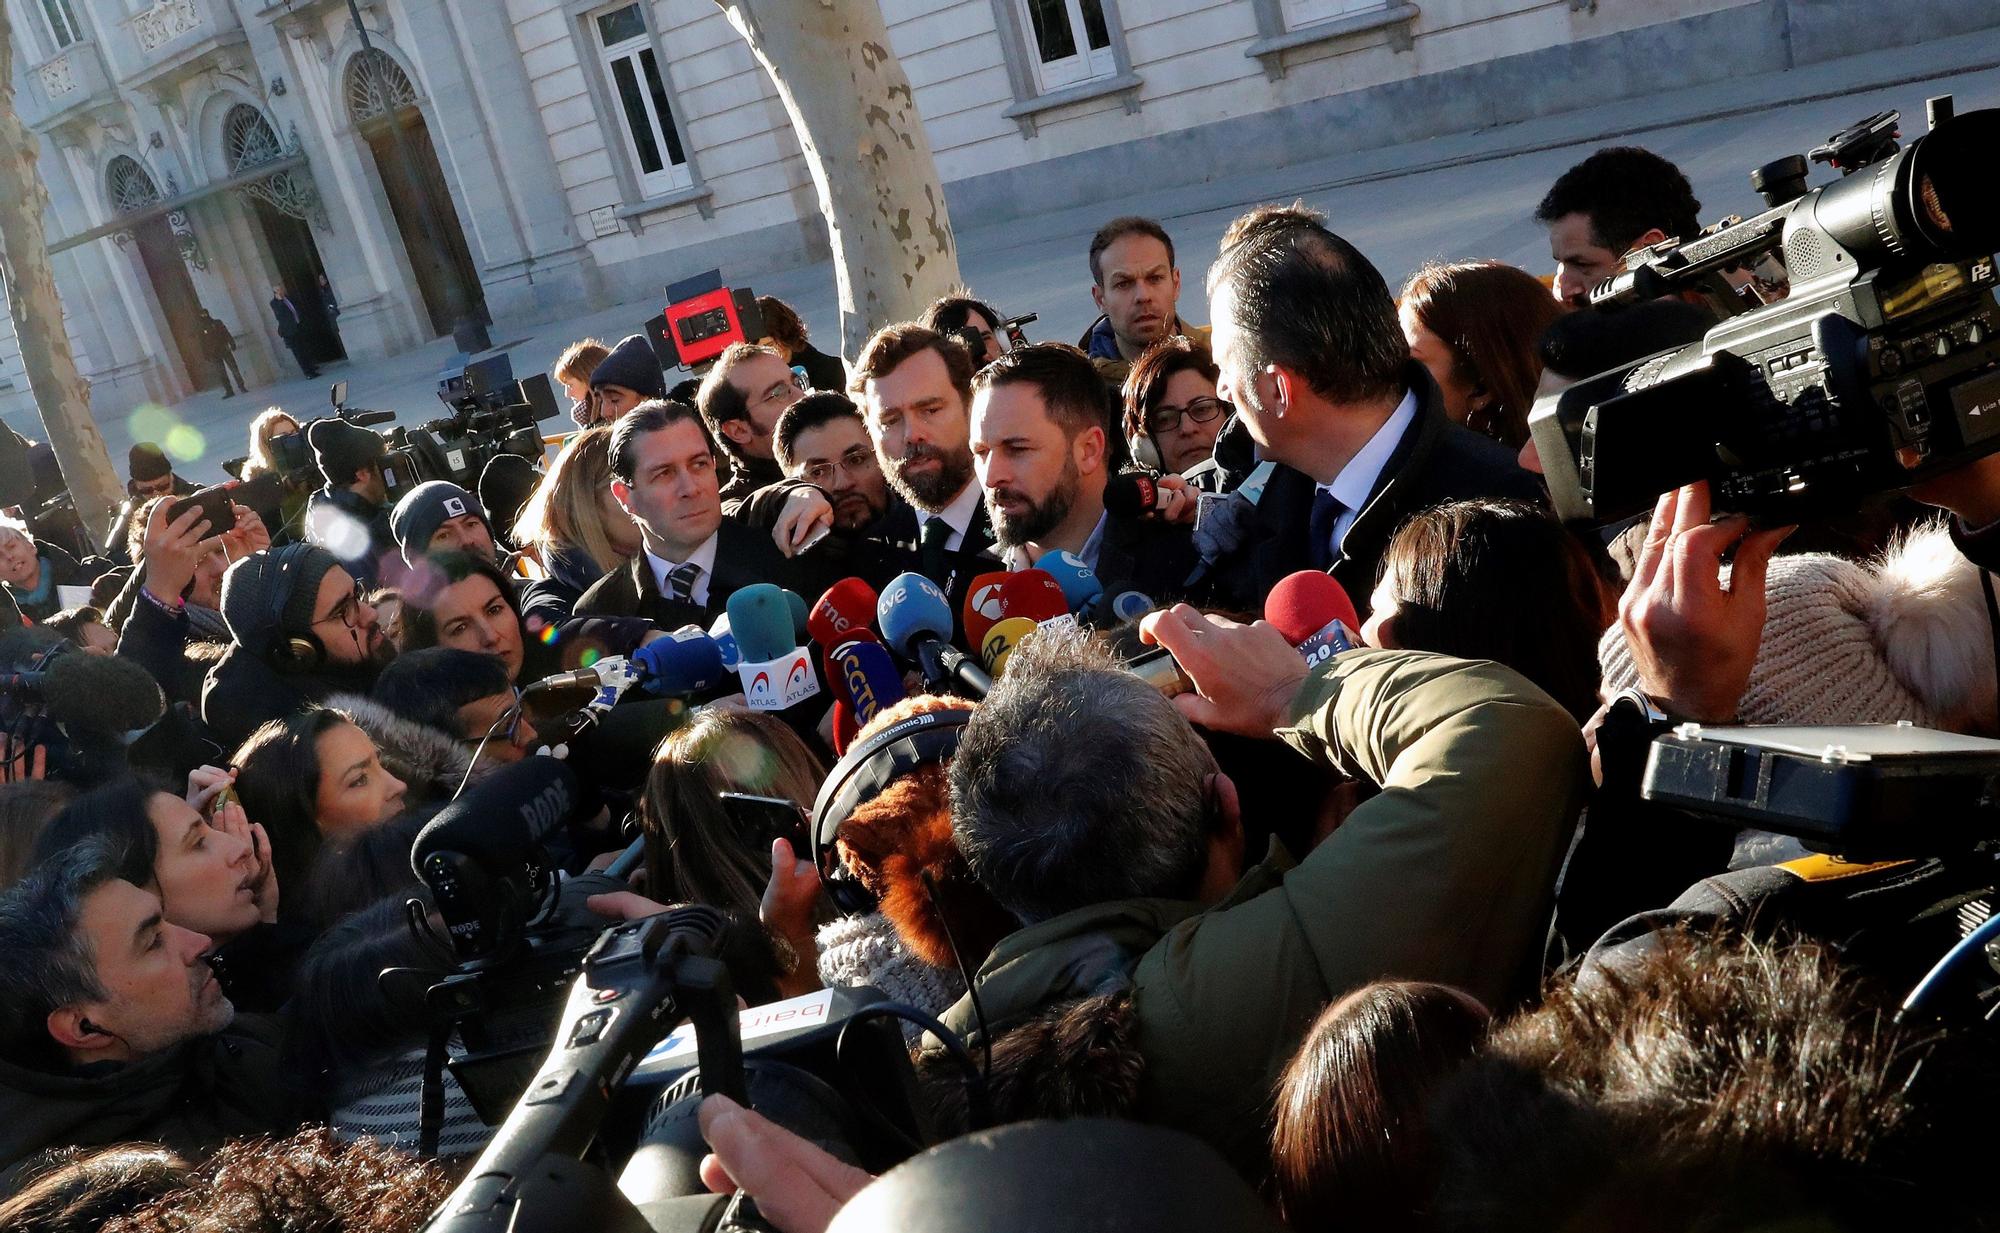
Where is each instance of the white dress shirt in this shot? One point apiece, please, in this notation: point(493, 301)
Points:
point(703, 556)
point(1357, 480)
point(958, 515)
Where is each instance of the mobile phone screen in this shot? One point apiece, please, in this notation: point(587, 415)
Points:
point(765, 818)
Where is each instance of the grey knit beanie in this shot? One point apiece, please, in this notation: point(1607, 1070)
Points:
point(272, 592)
point(427, 507)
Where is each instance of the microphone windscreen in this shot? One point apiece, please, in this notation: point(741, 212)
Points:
point(1130, 494)
point(844, 613)
point(725, 642)
point(845, 727)
point(984, 604)
point(500, 820)
point(1131, 605)
point(1001, 641)
point(1078, 581)
point(761, 618)
point(107, 694)
point(797, 603)
point(911, 609)
point(1303, 603)
point(686, 661)
point(867, 677)
point(1034, 594)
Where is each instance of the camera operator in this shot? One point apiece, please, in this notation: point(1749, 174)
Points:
point(627, 376)
point(439, 516)
point(1332, 395)
point(1042, 438)
point(949, 315)
point(1618, 199)
point(741, 399)
point(300, 629)
point(348, 516)
point(1086, 803)
point(114, 1026)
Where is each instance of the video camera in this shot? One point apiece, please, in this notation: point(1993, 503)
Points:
point(702, 318)
point(969, 337)
point(491, 414)
point(1879, 369)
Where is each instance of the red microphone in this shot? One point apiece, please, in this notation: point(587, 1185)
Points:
point(1034, 594)
point(1314, 614)
point(844, 613)
point(983, 605)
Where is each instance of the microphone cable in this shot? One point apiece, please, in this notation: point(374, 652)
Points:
point(509, 717)
point(965, 974)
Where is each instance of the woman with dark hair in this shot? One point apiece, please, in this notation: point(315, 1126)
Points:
point(784, 330)
point(78, 1189)
point(1349, 1148)
point(1498, 580)
point(1170, 404)
point(310, 777)
point(1477, 326)
point(347, 876)
point(466, 603)
point(26, 806)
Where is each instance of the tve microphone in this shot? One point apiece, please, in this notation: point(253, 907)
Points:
point(1314, 614)
point(844, 613)
point(984, 604)
point(474, 854)
point(776, 673)
point(1131, 494)
point(915, 620)
point(1001, 641)
point(867, 676)
point(1078, 581)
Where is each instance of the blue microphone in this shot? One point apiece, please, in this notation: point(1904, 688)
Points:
point(868, 676)
point(799, 614)
point(1079, 583)
point(686, 661)
point(1131, 605)
point(915, 620)
point(776, 673)
point(725, 642)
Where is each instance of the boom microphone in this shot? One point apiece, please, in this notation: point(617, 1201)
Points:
point(473, 852)
point(103, 694)
point(844, 613)
point(1314, 614)
point(915, 620)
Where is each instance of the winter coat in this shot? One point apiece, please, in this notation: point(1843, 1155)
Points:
point(243, 692)
point(430, 761)
point(59, 569)
point(1446, 874)
point(190, 1097)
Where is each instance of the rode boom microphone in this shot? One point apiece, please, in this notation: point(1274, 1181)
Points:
point(478, 854)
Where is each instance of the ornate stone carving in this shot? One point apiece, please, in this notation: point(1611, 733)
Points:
point(249, 142)
point(58, 77)
point(166, 21)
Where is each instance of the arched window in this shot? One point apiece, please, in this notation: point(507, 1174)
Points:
point(129, 185)
point(377, 87)
point(248, 140)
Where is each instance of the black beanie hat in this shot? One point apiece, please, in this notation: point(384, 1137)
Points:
point(273, 592)
point(505, 486)
point(633, 365)
point(147, 461)
point(340, 449)
point(424, 509)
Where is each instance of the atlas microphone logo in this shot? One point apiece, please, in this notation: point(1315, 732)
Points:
point(761, 689)
point(760, 685)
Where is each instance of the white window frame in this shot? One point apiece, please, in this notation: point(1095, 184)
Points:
point(672, 177)
point(1291, 25)
point(1301, 13)
point(1086, 64)
point(57, 13)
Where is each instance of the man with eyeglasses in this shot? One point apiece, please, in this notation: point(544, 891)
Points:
point(299, 629)
point(741, 399)
point(822, 440)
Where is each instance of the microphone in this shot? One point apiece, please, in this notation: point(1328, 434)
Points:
point(915, 620)
point(984, 604)
point(1131, 494)
point(1034, 594)
point(473, 853)
point(1314, 614)
point(844, 613)
point(800, 612)
point(1131, 605)
point(776, 672)
point(686, 661)
point(104, 694)
point(1222, 524)
point(1001, 641)
point(595, 689)
point(1078, 581)
point(725, 642)
point(868, 677)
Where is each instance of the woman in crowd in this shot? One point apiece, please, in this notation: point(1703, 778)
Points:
point(312, 778)
point(1476, 326)
point(785, 331)
point(84, 629)
point(950, 314)
point(32, 571)
point(1171, 411)
point(26, 806)
point(270, 424)
point(572, 524)
point(1498, 580)
point(78, 1189)
point(1349, 1148)
point(572, 371)
point(469, 605)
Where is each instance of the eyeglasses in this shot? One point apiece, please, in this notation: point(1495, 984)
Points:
point(857, 461)
point(345, 611)
point(1166, 417)
point(795, 384)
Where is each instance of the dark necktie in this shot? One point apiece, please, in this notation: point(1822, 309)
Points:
point(680, 581)
point(931, 554)
point(1326, 510)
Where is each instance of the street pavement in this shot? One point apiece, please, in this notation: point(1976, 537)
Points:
point(1469, 195)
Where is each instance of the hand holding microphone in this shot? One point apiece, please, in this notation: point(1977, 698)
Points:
point(1244, 676)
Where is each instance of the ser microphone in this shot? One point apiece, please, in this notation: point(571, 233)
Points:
point(1001, 641)
point(1314, 614)
point(915, 620)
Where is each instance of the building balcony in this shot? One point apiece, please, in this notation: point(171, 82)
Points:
point(64, 86)
point(173, 39)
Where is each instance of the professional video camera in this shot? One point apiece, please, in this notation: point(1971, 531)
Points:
point(491, 414)
point(972, 340)
point(1879, 369)
point(702, 318)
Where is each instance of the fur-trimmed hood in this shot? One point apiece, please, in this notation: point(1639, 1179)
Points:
point(432, 762)
point(1903, 637)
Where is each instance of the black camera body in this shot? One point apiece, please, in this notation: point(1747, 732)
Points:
point(491, 414)
point(1879, 369)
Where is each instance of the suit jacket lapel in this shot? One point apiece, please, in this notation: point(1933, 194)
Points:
point(1381, 516)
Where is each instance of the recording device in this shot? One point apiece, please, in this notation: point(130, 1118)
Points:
point(1080, 585)
point(776, 672)
point(702, 318)
point(215, 505)
point(766, 818)
point(915, 620)
point(1879, 370)
point(1314, 614)
point(969, 337)
point(491, 414)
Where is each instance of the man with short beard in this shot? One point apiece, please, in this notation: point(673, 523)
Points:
point(1041, 441)
point(914, 387)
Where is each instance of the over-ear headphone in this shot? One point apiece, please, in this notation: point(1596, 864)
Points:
point(303, 650)
point(861, 776)
point(1144, 452)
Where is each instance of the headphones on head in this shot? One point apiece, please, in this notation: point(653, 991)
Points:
point(1144, 452)
point(303, 651)
point(868, 769)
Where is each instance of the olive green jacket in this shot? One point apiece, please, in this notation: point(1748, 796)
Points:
point(1445, 875)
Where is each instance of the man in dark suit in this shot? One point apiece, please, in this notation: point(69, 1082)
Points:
point(292, 330)
point(691, 558)
point(1317, 366)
